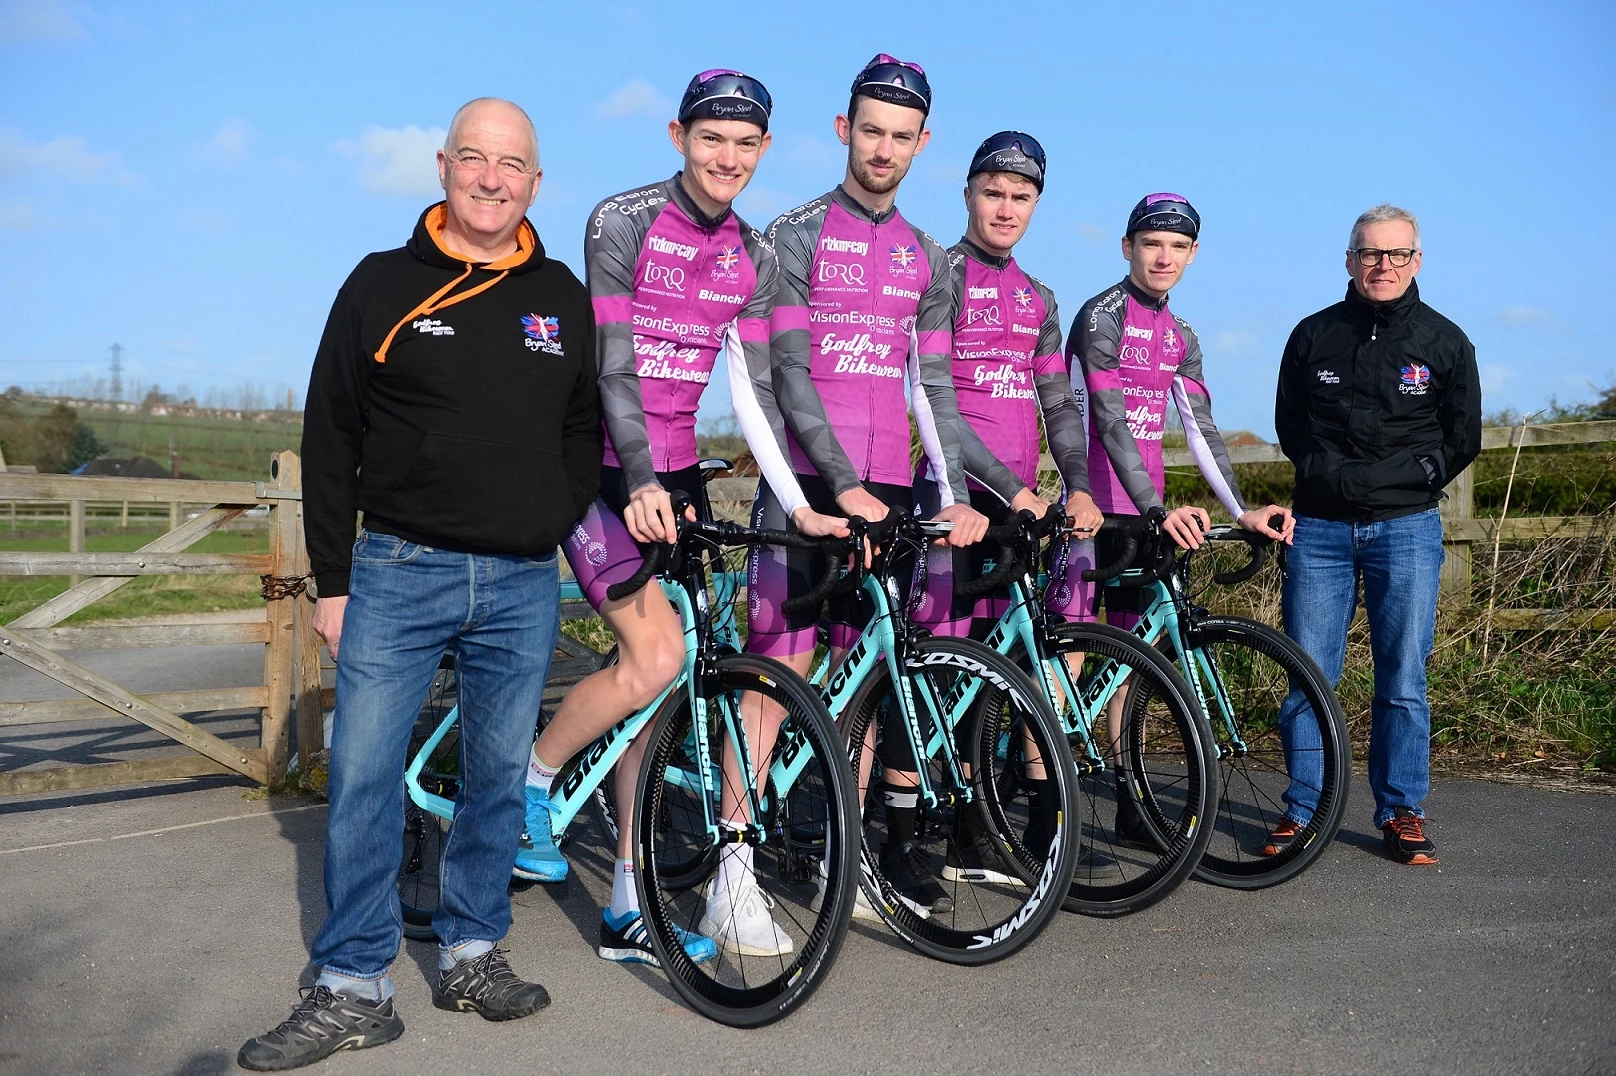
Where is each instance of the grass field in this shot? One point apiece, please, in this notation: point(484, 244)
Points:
point(152, 595)
point(207, 447)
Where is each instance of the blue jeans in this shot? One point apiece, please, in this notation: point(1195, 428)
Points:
point(407, 604)
point(1399, 563)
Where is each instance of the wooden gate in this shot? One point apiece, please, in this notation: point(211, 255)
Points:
point(291, 654)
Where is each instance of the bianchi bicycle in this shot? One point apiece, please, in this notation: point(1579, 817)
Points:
point(1143, 751)
point(942, 709)
point(1282, 745)
point(805, 812)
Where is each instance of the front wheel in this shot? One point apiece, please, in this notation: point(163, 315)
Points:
point(980, 881)
point(1282, 746)
point(1148, 770)
point(799, 878)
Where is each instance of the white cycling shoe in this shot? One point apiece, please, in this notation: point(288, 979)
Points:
point(862, 909)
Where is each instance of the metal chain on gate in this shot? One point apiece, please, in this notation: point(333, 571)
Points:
point(275, 587)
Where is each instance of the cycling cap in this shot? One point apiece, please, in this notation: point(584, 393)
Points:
point(1010, 151)
point(887, 78)
point(1165, 213)
point(722, 94)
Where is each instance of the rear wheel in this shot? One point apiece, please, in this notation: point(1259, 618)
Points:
point(1147, 789)
point(809, 828)
point(1247, 672)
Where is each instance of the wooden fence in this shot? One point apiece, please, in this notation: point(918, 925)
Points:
point(1462, 528)
point(291, 650)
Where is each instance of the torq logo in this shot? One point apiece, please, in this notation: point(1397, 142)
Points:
point(1134, 353)
point(988, 314)
point(830, 272)
point(671, 276)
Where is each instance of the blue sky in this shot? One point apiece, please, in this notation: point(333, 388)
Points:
point(194, 180)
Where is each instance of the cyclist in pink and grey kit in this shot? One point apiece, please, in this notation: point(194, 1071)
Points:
point(1128, 353)
point(863, 305)
point(1010, 377)
point(677, 282)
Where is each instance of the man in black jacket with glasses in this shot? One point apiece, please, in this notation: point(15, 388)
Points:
point(1379, 408)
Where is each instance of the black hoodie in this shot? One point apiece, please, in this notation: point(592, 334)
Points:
point(452, 402)
point(1379, 407)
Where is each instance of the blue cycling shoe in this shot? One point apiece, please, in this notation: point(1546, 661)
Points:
point(627, 940)
point(537, 858)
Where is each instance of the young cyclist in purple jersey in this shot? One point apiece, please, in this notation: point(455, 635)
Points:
point(678, 282)
point(862, 308)
point(1127, 353)
point(1010, 377)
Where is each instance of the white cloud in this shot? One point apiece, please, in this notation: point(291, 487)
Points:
point(1094, 233)
point(229, 145)
point(67, 157)
point(41, 20)
point(636, 97)
point(1235, 343)
point(1523, 316)
point(398, 160)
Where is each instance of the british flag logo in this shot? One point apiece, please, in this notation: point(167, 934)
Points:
point(902, 255)
point(1416, 374)
point(1023, 298)
point(728, 258)
point(538, 327)
point(1169, 338)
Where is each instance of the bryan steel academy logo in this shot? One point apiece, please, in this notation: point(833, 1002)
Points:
point(543, 334)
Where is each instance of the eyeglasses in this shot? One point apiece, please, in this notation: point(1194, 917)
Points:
point(509, 167)
point(1397, 259)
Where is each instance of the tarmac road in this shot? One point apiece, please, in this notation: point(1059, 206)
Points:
point(153, 930)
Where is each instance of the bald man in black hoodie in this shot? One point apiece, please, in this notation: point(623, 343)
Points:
point(452, 402)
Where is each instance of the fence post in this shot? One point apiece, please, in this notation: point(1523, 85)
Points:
point(1459, 505)
point(75, 534)
point(123, 516)
point(306, 675)
point(285, 473)
point(174, 515)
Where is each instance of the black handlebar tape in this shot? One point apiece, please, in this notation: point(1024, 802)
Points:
point(1130, 550)
point(1258, 544)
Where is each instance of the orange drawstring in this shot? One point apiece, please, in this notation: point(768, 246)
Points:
point(434, 223)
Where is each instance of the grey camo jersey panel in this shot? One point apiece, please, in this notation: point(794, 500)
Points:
point(1010, 374)
point(1129, 353)
point(863, 303)
point(674, 291)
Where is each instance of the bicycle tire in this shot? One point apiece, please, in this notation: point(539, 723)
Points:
point(1134, 858)
point(733, 989)
point(987, 920)
point(419, 881)
point(1257, 665)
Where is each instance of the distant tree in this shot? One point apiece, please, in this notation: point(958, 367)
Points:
point(86, 447)
point(55, 433)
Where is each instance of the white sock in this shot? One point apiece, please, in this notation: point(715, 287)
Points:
point(539, 775)
point(624, 900)
point(734, 865)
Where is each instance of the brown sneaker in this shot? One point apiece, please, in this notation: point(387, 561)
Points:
point(1283, 835)
point(1404, 834)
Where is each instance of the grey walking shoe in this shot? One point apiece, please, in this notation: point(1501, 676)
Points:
point(320, 1025)
point(486, 985)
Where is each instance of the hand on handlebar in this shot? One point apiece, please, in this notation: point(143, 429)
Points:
point(860, 502)
point(812, 524)
point(1028, 501)
point(649, 515)
point(1187, 526)
point(969, 525)
point(1084, 516)
point(1263, 521)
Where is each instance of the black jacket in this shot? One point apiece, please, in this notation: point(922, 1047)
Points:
point(1379, 407)
point(458, 420)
